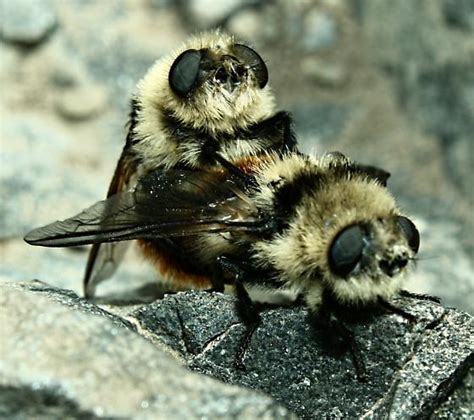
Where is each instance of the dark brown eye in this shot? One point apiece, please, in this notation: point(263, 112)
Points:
point(346, 250)
point(410, 231)
point(249, 57)
point(184, 72)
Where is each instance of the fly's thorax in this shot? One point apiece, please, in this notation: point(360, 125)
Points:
point(275, 172)
point(154, 148)
point(279, 188)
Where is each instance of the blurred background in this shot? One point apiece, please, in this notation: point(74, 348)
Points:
point(389, 83)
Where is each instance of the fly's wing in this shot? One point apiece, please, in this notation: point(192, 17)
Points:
point(104, 259)
point(102, 263)
point(165, 204)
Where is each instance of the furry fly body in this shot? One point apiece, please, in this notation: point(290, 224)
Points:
point(323, 229)
point(207, 104)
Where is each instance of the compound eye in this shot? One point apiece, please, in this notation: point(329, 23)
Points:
point(410, 231)
point(249, 57)
point(346, 250)
point(184, 72)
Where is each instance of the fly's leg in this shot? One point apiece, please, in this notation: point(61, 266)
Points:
point(396, 310)
point(248, 310)
point(210, 150)
point(420, 296)
point(217, 280)
point(249, 313)
point(341, 337)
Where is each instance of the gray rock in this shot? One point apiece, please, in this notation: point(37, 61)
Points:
point(459, 14)
point(208, 12)
point(439, 359)
point(442, 256)
point(35, 159)
point(320, 30)
point(459, 404)
point(63, 357)
point(324, 73)
point(431, 66)
point(134, 282)
point(125, 41)
point(412, 368)
point(459, 156)
point(81, 103)
point(319, 123)
point(160, 4)
point(27, 22)
point(248, 25)
point(178, 321)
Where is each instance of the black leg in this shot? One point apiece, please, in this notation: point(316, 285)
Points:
point(230, 167)
point(396, 310)
point(217, 280)
point(420, 296)
point(246, 308)
point(341, 337)
point(356, 354)
point(215, 156)
point(249, 313)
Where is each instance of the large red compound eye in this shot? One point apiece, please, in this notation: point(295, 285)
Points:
point(184, 72)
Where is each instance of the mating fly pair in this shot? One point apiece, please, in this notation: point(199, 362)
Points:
point(210, 185)
point(205, 106)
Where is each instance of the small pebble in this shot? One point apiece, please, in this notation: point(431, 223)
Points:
point(27, 22)
point(81, 103)
point(320, 31)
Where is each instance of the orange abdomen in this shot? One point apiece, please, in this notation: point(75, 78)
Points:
point(175, 259)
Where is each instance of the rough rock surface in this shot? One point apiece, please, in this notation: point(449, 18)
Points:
point(63, 357)
point(460, 403)
point(412, 367)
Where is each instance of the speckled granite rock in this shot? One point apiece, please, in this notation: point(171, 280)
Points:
point(62, 354)
point(460, 403)
point(412, 368)
point(63, 357)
